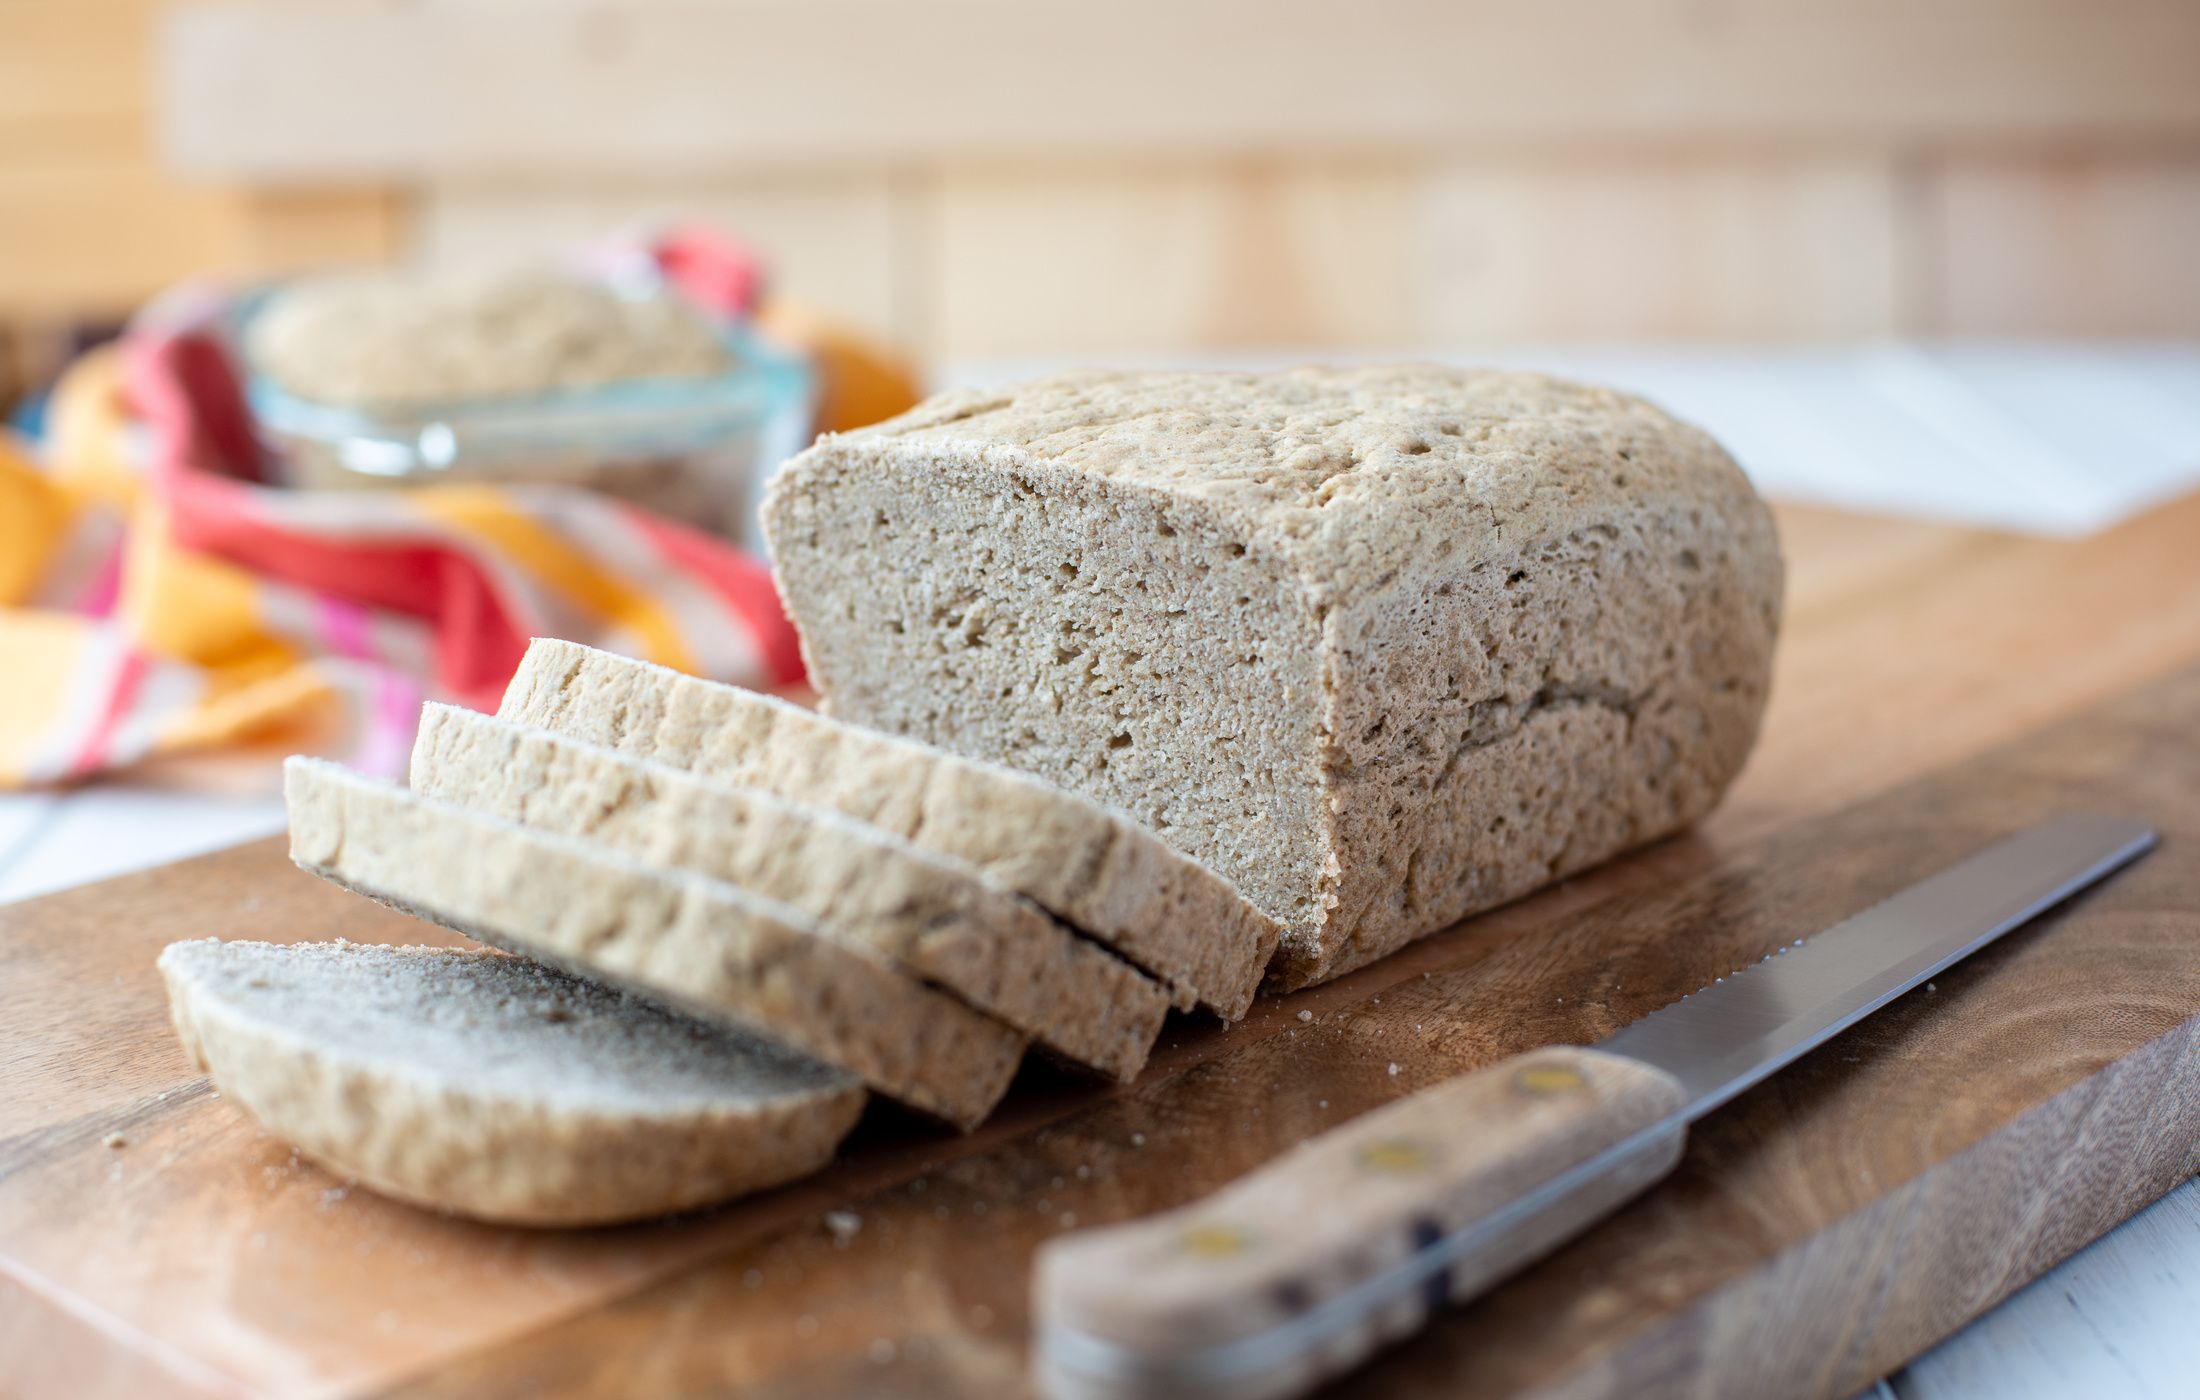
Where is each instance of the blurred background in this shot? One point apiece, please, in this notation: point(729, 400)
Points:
point(1930, 268)
point(1917, 258)
point(977, 181)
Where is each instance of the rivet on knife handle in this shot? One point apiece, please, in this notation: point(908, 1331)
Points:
point(1344, 1209)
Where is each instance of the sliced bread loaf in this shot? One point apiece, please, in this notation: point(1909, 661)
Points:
point(700, 944)
point(494, 1087)
point(940, 918)
point(1095, 868)
point(1385, 646)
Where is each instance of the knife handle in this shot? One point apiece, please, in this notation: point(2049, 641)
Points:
point(1224, 1298)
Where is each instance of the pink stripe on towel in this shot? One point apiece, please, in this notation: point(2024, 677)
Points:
point(392, 718)
point(105, 586)
point(392, 713)
point(122, 688)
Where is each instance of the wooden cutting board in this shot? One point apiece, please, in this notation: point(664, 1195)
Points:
point(1823, 1228)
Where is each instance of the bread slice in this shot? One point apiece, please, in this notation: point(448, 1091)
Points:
point(1385, 646)
point(700, 944)
point(494, 1087)
point(940, 918)
point(1093, 867)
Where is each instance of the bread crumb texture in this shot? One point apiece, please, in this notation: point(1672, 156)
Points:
point(496, 1087)
point(1385, 646)
point(1090, 865)
point(701, 945)
point(943, 921)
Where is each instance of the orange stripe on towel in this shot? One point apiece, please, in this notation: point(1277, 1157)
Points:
point(47, 656)
point(490, 517)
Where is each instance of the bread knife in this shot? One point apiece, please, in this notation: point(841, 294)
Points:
point(1348, 1242)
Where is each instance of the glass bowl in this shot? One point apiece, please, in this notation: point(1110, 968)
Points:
point(693, 450)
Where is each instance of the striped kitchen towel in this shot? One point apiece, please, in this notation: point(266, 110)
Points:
point(157, 597)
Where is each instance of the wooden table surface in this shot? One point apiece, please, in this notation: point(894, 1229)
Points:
point(1907, 646)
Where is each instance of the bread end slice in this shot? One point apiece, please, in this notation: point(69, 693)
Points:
point(493, 1087)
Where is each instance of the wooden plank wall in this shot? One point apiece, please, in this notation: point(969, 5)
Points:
point(977, 178)
point(1002, 259)
point(93, 220)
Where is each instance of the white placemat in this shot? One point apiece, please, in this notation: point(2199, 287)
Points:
point(2059, 439)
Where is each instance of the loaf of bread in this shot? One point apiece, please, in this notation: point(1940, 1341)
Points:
point(498, 1088)
point(1384, 646)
